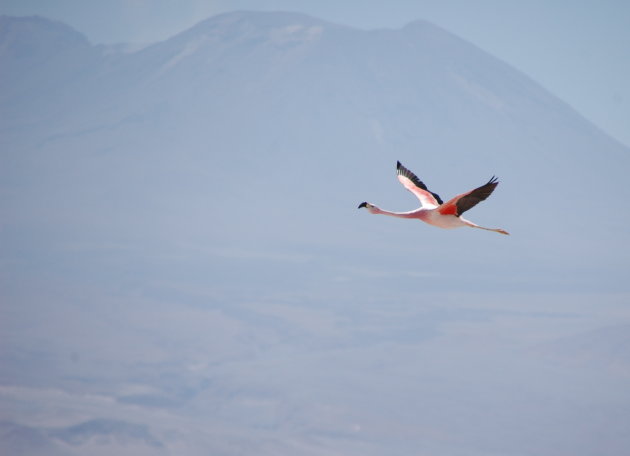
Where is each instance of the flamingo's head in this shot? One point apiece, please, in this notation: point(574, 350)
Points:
point(372, 209)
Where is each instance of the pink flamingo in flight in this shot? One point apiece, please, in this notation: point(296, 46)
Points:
point(433, 210)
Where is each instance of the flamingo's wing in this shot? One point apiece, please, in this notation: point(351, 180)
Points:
point(461, 203)
point(411, 182)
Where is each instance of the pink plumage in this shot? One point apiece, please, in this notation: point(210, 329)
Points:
point(432, 209)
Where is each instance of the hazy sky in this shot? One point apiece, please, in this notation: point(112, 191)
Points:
point(579, 49)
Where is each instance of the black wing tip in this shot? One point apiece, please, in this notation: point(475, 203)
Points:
point(493, 180)
point(400, 169)
point(363, 204)
point(416, 181)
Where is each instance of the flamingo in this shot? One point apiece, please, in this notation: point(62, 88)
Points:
point(432, 209)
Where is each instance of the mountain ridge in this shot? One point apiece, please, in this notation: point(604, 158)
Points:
point(263, 21)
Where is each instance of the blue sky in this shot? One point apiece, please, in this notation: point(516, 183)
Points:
point(579, 50)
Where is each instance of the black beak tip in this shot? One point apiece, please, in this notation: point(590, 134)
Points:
point(364, 204)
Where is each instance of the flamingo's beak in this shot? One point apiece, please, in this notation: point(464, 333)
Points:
point(364, 204)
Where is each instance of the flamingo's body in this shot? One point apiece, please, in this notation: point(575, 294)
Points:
point(433, 210)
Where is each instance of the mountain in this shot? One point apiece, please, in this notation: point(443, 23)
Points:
point(184, 269)
point(293, 99)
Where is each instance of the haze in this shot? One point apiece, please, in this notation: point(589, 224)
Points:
point(184, 269)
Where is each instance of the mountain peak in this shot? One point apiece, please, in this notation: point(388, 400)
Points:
point(34, 35)
point(262, 19)
point(241, 25)
point(244, 28)
point(420, 24)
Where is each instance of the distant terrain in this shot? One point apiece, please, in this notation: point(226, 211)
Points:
point(183, 270)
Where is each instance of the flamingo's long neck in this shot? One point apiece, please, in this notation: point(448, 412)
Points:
point(411, 214)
